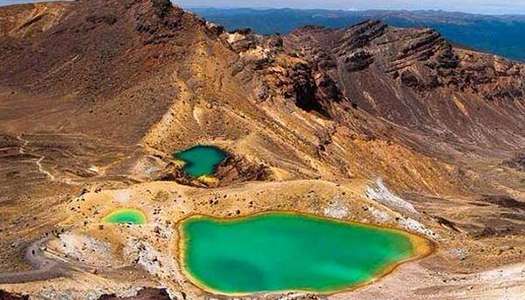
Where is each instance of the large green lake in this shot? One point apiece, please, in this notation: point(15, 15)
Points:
point(285, 251)
point(201, 160)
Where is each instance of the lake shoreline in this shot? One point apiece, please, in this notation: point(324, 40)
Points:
point(422, 248)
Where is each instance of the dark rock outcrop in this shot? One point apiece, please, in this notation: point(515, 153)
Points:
point(144, 294)
point(9, 296)
point(237, 169)
point(517, 163)
point(504, 201)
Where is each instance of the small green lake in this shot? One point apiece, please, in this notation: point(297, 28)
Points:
point(126, 216)
point(285, 251)
point(201, 160)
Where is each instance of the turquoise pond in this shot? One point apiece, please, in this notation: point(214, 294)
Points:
point(201, 160)
point(285, 251)
point(126, 216)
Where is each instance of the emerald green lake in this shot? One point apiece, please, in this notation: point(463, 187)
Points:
point(201, 160)
point(126, 216)
point(284, 251)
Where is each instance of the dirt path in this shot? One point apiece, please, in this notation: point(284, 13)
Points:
point(38, 162)
point(44, 267)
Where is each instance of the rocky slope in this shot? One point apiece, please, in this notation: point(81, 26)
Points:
point(96, 96)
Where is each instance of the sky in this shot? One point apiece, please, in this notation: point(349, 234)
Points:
point(469, 6)
point(472, 6)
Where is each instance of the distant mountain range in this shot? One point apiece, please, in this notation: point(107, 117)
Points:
point(502, 35)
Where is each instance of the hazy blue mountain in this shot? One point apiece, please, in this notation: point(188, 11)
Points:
point(502, 35)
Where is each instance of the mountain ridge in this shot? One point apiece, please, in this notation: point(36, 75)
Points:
point(489, 33)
